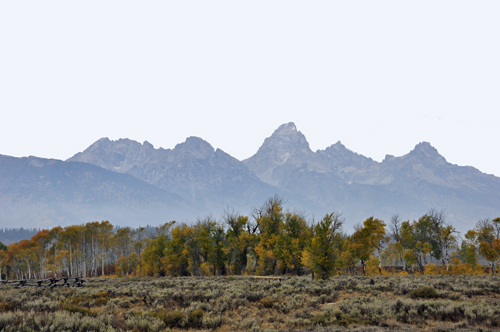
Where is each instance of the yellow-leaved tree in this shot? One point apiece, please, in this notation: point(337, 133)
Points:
point(486, 236)
point(367, 241)
point(269, 219)
point(321, 255)
point(291, 243)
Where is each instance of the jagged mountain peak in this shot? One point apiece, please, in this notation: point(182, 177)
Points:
point(287, 130)
point(336, 147)
point(286, 127)
point(194, 141)
point(339, 150)
point(286, 145)
point(148, 145)
point(425, 151)
point(121, 143)
point(102, 140)
point(286, 140)
point(425, 146)
point(343, 160)
point(116, 155)
point(196, 147)
point(339, 144)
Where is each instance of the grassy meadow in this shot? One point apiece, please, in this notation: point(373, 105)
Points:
point(241, 303)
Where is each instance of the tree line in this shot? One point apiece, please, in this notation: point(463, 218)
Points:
point(269, 242)
point(10, 235)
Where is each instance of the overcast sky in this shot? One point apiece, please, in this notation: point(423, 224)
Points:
point(380, 76)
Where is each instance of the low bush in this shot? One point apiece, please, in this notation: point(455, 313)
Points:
point(266, 302)
point(375, 303)
point(424, 293)
point(195, 318)
point(171, 319)
point(76, 309)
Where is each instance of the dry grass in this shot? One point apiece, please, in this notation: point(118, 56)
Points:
point(354, 303)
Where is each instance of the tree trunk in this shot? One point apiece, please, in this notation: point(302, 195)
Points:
point(447, 261)
point(70, 260)
point(94, 253)
point(29, 269)
point(84, 257)
point(102, 272)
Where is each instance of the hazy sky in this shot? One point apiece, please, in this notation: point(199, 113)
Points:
point(380, 76)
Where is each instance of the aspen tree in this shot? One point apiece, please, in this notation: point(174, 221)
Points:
point(487, 236)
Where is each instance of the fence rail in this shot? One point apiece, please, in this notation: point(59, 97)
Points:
point(51, 282)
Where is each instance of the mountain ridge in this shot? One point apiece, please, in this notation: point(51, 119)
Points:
point(420, 177)
point(52, 192)
point(207, 177)
point(205, 180)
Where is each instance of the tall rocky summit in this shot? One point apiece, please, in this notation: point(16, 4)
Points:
point(286, 146)
point(132, 183)
point(339, 179)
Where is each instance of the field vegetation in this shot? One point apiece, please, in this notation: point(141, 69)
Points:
point(241, 303)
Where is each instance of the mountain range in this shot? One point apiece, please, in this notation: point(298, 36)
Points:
point(130, 183)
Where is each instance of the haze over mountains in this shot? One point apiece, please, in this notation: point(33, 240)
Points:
point(130, 183)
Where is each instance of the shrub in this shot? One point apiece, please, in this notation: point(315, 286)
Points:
point(424, 293)
point(5, 306)
point(173, 319)
point(212, 321)
point(6, 320)
point(76, 309)
point(372, 267)
point(145, 324)
point(314, 302)
point(40, 305)
point(247, 323)
point(195, 318)
point(266, 302)
point(432, 269)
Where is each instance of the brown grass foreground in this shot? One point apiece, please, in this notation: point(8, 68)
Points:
point(355, 303)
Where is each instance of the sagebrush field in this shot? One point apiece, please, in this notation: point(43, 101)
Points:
point(241, 303)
